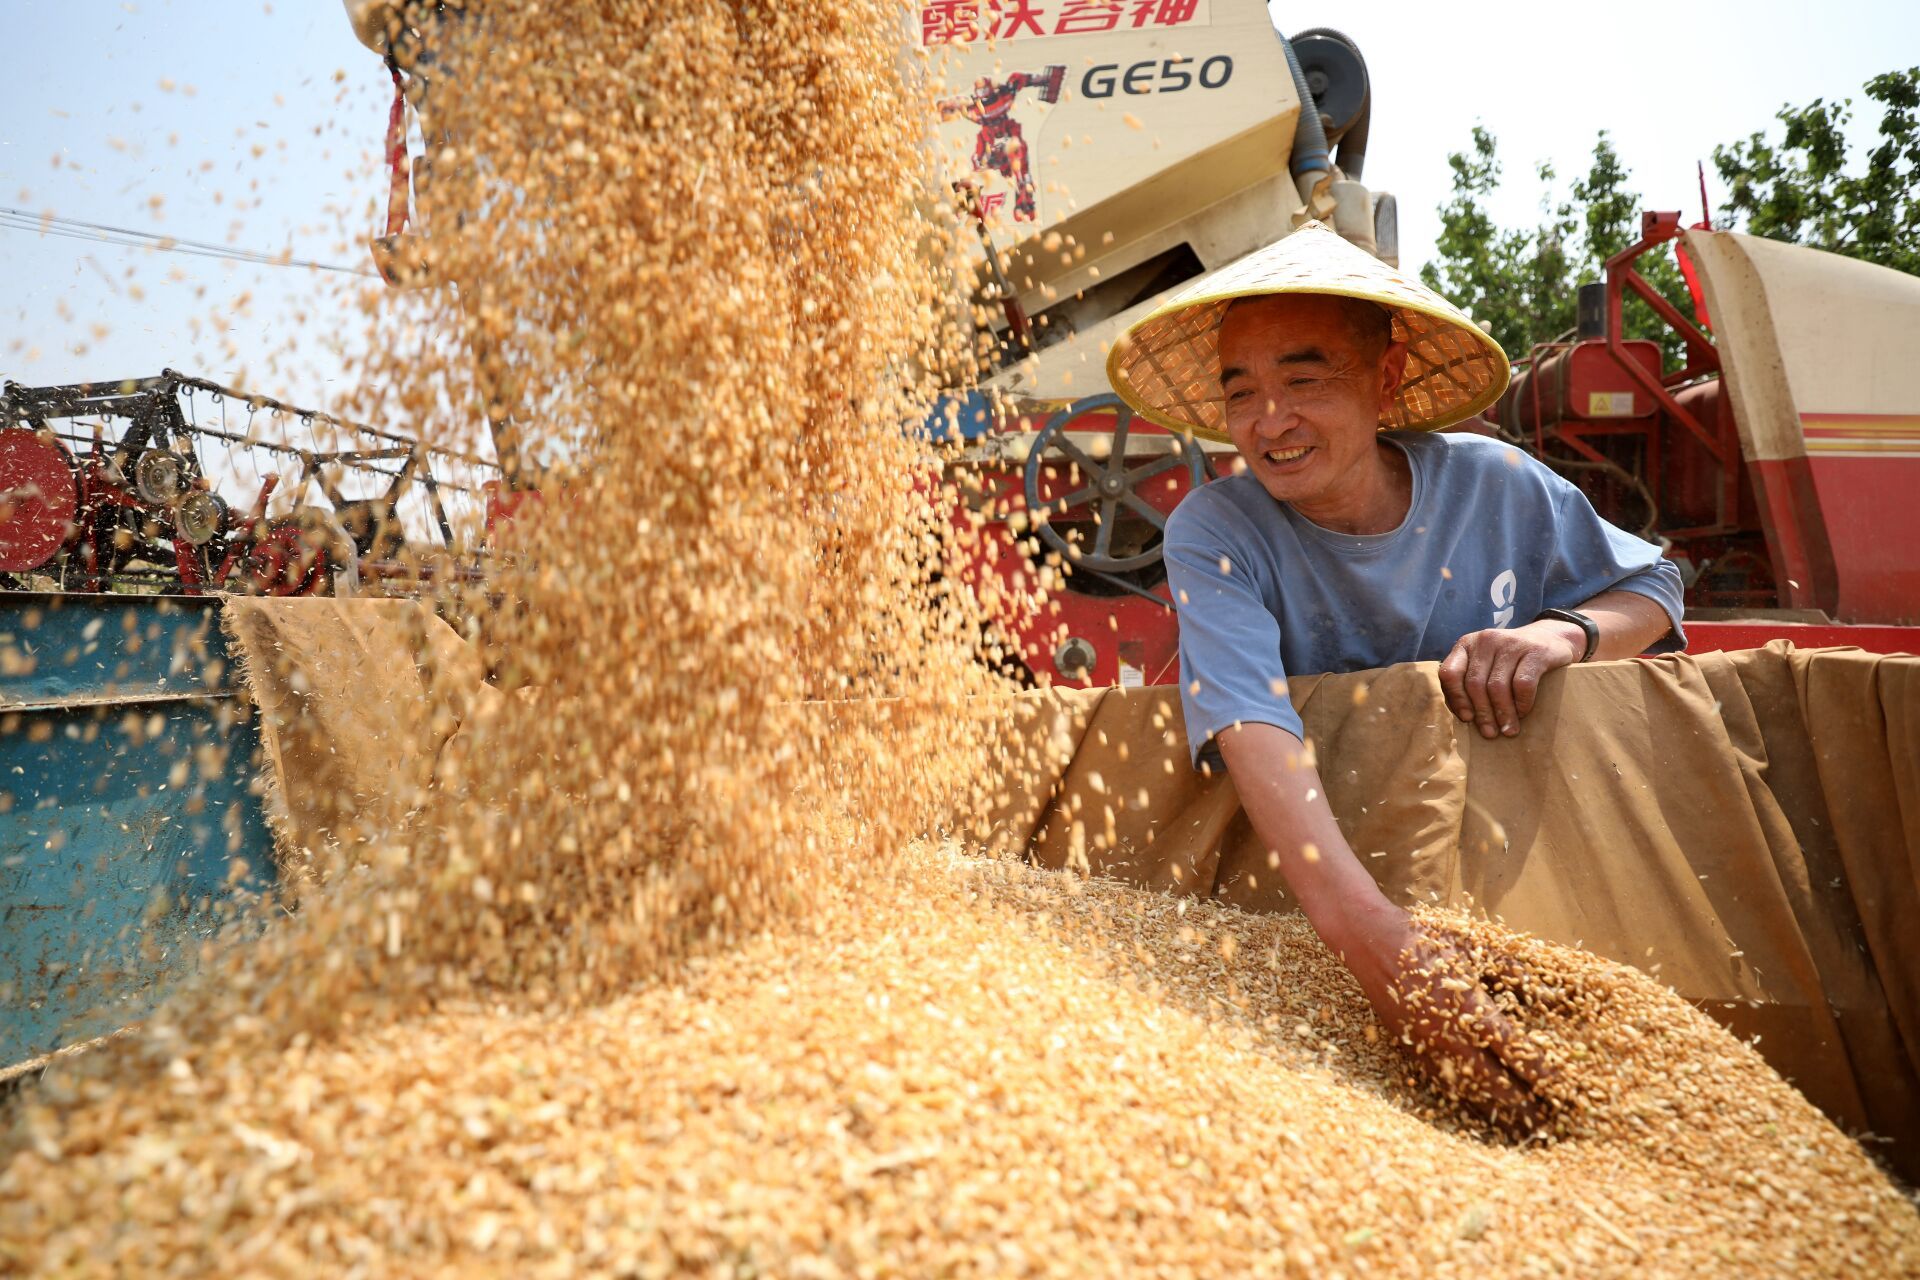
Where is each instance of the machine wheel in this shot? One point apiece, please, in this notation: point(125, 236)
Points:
point(161, 477)
point(39, 499)
point(1110, 484)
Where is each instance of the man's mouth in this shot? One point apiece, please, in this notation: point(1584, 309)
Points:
point(1281, 457)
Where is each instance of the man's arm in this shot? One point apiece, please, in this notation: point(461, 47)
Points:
point(1492, 677)
point(1234, 697)
point(1409, 977)
point(1281, 791)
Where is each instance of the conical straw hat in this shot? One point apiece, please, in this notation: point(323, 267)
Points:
point(1167, 366)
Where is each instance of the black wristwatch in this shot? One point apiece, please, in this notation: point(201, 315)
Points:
point(1580, 620)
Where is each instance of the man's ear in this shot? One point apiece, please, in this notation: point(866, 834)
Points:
point(1393, 371)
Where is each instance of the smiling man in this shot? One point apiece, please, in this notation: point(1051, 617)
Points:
point(1353, 536)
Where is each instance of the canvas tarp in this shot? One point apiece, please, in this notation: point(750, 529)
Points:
point(1744, 826)
point(357, 700)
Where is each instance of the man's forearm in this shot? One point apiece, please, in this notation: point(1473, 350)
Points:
point(1629, 624)
point(1410, 977)
point(1280, 790)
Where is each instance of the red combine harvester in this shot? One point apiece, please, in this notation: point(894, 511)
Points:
point(1135, 148)
point(1777, 465)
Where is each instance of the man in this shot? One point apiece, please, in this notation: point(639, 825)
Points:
point(1343, 543)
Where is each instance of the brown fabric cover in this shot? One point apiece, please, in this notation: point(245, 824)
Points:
point(1741, 825)
point(356, 699)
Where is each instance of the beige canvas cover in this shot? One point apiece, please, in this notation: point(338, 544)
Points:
point(356, 701)
point(1818, 347)
point(1744, 826)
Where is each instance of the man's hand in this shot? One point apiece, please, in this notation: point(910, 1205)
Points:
point(1423, 988)
point(1491, 676)
point(1426, 992)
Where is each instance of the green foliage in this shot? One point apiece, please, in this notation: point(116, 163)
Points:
point(1514, 282)
point(1523, 284)
point(1799, 189)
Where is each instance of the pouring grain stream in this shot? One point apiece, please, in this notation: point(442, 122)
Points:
point(652, 978)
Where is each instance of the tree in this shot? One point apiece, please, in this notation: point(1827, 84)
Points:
point(1512, 282)
point(1610, 221)
point(1799, 189)
point(1523, 285)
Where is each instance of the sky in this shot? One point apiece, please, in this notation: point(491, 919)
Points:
point(258, 125)
point(215, 120)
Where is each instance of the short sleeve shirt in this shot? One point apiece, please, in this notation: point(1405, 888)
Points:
point(1492, 538)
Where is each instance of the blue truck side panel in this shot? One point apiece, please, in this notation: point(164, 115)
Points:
point(131, 822)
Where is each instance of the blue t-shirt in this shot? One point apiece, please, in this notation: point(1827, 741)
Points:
point(1492, 538)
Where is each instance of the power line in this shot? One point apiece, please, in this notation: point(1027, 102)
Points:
point(125, 237)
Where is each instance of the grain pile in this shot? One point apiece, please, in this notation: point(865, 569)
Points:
point(661, 984)
point(988, 1071)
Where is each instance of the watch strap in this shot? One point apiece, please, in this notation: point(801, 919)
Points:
point(1587, 625)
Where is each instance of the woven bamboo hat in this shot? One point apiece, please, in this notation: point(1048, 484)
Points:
point(1167, 366)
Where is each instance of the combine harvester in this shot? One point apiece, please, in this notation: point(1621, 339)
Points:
point(1104, 155)
point(1775, 466)
point(115, 486)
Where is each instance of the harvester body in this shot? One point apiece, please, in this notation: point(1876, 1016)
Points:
point(1774, 460)
point(1101, 155)
point(1825, 394)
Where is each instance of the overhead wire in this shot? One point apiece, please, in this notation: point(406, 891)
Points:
point(48, 224)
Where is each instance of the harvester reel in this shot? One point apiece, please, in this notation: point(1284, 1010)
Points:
point(1110, 484)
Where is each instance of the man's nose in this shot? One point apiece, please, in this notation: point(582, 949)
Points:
point(1275, 419)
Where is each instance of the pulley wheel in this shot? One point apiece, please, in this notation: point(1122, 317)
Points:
point(160, 477)
point(200, 517)
point(39, 499)
point(1108, 485)
point(1336, 76)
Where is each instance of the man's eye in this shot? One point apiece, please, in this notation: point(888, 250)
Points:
point(1241, 394)
point(1304, 383)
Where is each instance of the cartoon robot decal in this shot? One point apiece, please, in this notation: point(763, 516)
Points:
point(1000, 145)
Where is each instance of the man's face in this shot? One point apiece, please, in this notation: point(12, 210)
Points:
point(1306, 386)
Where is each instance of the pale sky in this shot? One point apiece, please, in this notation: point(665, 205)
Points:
point(258, 124)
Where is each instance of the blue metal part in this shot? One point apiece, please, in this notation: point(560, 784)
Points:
point(966, 416)
point(131, 824)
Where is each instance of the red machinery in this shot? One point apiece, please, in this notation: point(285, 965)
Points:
point(1657, 452)
point(1782, 498)
point(1725, 460)
point(95, 513)
point(1079, 502)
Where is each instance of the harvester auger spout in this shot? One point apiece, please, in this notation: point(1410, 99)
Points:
point(412, 37)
